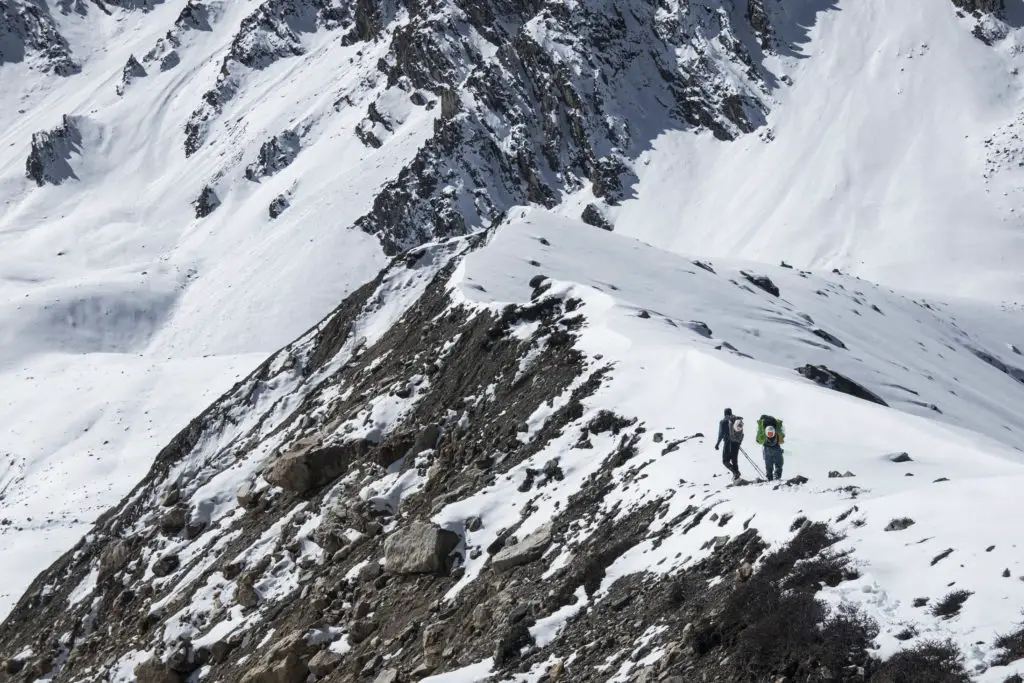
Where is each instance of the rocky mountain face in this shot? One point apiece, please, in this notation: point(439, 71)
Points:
point(288, 532)
point(538, 100)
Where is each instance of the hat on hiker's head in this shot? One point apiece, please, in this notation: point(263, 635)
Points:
point(728, 411)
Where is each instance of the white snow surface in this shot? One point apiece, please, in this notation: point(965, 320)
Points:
point(677, 382)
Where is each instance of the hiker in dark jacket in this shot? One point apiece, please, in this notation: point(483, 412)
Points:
point(730, 431)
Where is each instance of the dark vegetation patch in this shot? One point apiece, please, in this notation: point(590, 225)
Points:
point(949, 606)
point(928, 662)
point(1013, 648)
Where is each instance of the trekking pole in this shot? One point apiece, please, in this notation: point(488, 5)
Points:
point(753, 464)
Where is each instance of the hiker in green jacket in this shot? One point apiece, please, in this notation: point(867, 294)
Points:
point(771, 435)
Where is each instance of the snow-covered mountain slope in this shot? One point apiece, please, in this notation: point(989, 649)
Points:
point(492, 463)
point(894, 155)
point(185, 186)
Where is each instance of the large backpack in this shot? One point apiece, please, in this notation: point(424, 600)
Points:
point(780, 433)
point(736, 429)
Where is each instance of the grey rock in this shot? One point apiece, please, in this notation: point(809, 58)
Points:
point(183, 659)
point(387, 676)
point(823, 376)
point(310, 466)
point(761, 282)
point(528, 550)
point(371, 666)
point(592, 215)
point(370, 571)
point(275, 154)
point(361, 629)
point(433, 645)
point(154, 671)
point(48, 160)
point(420, 548)
point(174, 520)
point(171, 498)
point(113, 557)
point(899, 524)
point(324, 662)
point(278, 205)
point(206, 203)
point(247, 494)
point(515, 637)
point(899, 457)
point(166, 565)
point(289, 669)
point(132, 71)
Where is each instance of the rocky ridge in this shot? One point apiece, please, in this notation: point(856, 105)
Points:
point(290, 530)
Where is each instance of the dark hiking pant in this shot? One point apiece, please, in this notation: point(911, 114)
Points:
point(773, 462)
point(730, 452)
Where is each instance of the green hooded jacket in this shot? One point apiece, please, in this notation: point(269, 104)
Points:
point(779, 429)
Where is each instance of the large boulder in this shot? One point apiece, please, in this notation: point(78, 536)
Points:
point(420, 548)
point(528, 550)
point(154, 671)
point(324, 662)
point(113, 557)
point(166, 565)
point(289, 669)
point(311, 465)
point(174, 520)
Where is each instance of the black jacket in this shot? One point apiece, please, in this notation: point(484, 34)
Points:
point(723, 431)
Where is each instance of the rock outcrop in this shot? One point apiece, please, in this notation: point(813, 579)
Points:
point(276, 153)
point(273, 31)
point(206, 203)
point(822, 375)
point(339, 497)
point(311, 465)
point(49, 159)
point(132, 71)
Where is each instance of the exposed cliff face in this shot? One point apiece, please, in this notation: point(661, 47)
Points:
point(538, 100)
